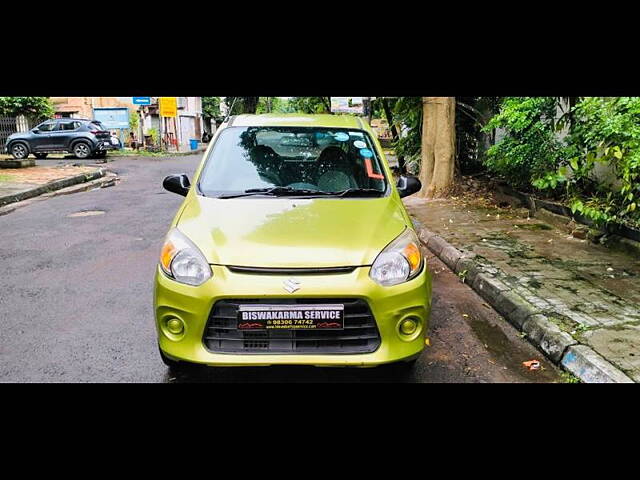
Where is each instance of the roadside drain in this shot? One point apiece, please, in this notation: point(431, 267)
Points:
point(87, 213)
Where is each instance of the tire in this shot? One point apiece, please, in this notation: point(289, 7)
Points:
point(41, 156)
point(19, 151)
point(82, 150)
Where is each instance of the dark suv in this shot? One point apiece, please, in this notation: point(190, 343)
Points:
point(83, 138)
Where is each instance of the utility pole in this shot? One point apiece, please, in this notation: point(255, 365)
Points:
point(160, 124)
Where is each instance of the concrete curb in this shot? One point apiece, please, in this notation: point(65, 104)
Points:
point(558, 346)
point(109, 179)
point(50, 187)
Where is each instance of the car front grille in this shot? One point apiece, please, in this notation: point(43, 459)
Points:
point(360, 334)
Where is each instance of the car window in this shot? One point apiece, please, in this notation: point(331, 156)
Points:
point(97, 124)
point(47, 126)
point(321, 159)
point(68, 125)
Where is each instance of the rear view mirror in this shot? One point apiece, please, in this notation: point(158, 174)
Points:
point(177, 184)
point(408, 185)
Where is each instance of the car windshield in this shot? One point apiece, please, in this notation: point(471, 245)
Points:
point(292, 161)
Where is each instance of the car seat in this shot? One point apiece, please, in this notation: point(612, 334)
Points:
point(267, 163)
point(335, 173)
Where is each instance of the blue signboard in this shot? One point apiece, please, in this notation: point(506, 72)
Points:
point(141, 100)
point(112, 117)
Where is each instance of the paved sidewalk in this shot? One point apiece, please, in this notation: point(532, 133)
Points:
point(570, 296)
point(20, 184)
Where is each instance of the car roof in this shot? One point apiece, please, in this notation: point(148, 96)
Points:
point(297, 120)
point(70, 120)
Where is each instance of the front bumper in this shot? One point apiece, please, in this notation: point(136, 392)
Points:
point(389, 306)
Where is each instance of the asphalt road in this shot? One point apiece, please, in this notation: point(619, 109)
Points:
point(76, 299)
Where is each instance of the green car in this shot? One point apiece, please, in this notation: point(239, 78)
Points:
point(292, 246)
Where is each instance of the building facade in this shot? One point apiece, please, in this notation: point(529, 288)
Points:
point(188, 124)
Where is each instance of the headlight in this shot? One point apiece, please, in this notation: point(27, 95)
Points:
point(400, 261)
point(183, 261)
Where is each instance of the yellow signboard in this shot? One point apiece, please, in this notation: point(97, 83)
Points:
point(168, 106)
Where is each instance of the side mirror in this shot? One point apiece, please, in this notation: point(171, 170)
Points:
point(408, 185)
point(35, 130)
point(177, 184)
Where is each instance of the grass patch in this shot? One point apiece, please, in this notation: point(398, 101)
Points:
point(568, 377)
point(139, 153)
point(6, 178)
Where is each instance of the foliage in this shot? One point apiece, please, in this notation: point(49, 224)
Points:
point(595, 167)
point(530, 148)
point(472, 140)
point(407, 112)
point(211, 108)
point(155, 136)
point(310, 104)
point(39, 107)
point(134, 121)
point(240, 105)
point(606, 130)
point(568, 377)
point(273, 105)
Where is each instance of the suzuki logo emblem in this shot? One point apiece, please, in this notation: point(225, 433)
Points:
point(291, 285)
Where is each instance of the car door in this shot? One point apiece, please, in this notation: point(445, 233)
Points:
point(41, 140)
point(62, 135)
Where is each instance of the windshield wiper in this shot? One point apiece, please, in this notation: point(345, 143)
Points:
point(359, 192)
point(276, 192)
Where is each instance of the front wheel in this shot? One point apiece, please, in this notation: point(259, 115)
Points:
point(82, 150)
point(19, 151)
point(41, 156)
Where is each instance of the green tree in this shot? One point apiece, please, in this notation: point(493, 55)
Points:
point(211, 108)
point(240, 105)
point(40, 107)
point(134, 121)
point(530, 148)
point(273, 105)
point(310, 104)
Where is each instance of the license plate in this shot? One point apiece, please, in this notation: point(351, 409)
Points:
point(114, 141)
point(291, 317)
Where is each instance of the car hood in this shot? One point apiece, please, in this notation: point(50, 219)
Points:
point(292, 233)
point(20, 135)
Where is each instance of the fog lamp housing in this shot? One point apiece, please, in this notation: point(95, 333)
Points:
point(175, 326)
point(408, 326)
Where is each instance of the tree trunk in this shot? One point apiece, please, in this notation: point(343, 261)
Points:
point(326, 101)
point(438, 145)
point(250, 104)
